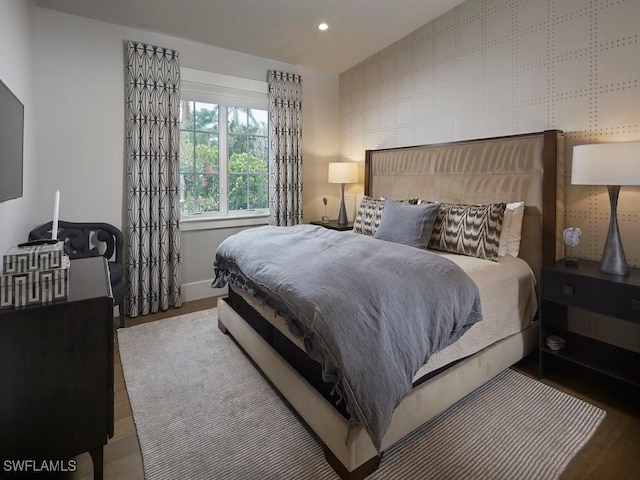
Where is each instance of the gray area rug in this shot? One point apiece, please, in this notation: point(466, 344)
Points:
point(203, 411)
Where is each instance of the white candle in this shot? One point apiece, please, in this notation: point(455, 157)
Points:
point(56, 207)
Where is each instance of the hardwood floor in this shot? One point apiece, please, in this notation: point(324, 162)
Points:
point(614, 450)
point(612, 453)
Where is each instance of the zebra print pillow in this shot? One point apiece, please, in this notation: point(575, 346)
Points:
point(368, 217)
point(472, 230)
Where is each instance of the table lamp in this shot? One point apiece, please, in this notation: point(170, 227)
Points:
point(343, 172)
point(613, 165)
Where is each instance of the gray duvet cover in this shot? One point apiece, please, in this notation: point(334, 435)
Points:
point(370, 311)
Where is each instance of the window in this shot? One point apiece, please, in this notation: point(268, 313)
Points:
point(224, 154)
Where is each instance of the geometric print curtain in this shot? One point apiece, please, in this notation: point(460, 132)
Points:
point(285, 155)
point(152, 111)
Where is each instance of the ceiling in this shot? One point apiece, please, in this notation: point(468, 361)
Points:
point(284, 30)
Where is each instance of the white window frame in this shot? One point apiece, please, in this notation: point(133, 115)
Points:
point(224, 91)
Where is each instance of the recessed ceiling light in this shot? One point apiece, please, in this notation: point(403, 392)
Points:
point(323, 26)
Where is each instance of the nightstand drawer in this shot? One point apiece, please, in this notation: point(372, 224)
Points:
point(602, 297)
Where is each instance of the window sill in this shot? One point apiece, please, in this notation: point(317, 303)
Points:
point(213, 223)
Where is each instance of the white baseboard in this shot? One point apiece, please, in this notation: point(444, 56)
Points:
point(197, 290)
point(193, 291)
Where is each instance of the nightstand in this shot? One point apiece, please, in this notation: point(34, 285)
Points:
point(586, 288)
point(333, 225)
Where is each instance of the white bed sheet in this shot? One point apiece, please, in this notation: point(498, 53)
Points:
point(508, 297)
point(509, 304)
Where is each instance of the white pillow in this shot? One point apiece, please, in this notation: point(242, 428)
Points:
point(511, 230)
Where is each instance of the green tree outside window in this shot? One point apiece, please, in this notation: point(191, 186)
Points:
point(247, 158)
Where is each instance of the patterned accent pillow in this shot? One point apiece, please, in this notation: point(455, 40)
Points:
point(472, 230)
point(368, 216)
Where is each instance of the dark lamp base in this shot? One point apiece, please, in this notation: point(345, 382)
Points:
point(614, 261)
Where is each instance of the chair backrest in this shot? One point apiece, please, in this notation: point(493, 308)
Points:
point(82, 240)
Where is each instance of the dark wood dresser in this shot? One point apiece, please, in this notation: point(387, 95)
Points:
point(56, 372)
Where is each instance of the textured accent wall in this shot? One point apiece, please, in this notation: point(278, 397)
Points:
point(500, 67)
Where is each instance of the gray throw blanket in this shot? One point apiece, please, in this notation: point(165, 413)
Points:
point(370, 311)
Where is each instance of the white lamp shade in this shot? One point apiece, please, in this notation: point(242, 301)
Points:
point(343, 172)
point(606, 164)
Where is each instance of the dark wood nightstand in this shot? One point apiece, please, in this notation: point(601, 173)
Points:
point(333, 225)
point(586, 288)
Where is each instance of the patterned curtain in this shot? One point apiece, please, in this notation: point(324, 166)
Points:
point(152, 111)
point(285, 158)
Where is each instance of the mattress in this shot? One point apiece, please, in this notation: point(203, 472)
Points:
point(508, 297)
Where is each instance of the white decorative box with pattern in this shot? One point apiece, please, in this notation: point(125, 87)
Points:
point(35, 286)
point(37, 257)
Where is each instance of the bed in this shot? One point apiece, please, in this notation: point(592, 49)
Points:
point(525, 168)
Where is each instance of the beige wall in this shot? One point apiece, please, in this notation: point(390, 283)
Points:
point(490, 68)
point(499, 67)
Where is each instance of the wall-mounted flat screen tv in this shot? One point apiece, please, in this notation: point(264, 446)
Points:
point(11, 144)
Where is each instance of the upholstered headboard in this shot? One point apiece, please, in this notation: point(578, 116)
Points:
point(505, 169)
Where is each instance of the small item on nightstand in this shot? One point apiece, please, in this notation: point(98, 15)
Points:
point(571, 262)
point(571, 237)
point(555, 342)
point(325, 218)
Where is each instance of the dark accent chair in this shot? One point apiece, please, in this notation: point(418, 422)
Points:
point(82, 240)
